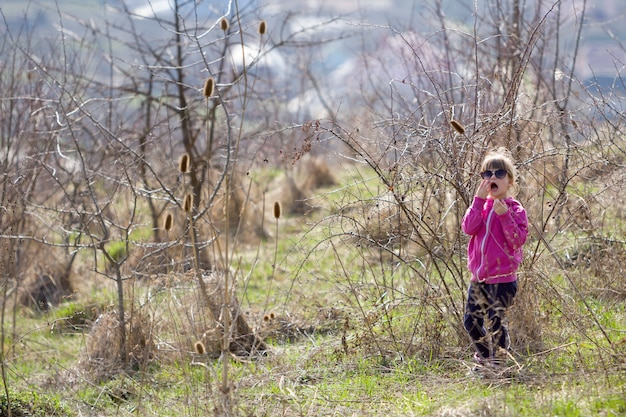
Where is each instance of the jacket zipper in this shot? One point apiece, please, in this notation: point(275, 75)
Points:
point(483, 244)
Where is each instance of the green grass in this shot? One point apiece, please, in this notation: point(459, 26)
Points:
point(314, 376)
point(370, 336)
point(367, 389)
point(34, 404)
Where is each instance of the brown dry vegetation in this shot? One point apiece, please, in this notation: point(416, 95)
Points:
point(349, 299)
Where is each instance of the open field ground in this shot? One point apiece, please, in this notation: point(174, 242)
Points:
point(348, 332)
point(246, 211)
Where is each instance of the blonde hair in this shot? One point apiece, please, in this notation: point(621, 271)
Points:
point(501, 158)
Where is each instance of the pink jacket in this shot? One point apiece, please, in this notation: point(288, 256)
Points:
point(495, 247)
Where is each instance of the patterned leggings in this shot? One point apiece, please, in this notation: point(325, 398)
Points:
point(488, 301)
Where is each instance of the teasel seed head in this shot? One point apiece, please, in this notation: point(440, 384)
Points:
point(224, 24)
point(188, 203)
point(183, 164)
point(457, 126)
point(200, 348)
point(262, 27)
point(209, 86)
point(167, 223)
point(276, 210)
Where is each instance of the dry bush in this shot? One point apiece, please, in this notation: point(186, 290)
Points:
point(296, 190)
point(601, 262)
point(285, 328)
point(384, 221)
point(42, 291)
point(235, 212)
point(567, 204)
point(186, 319)
point(575, 211)
point(101, 358)
point(526, 318)
point(46, 282)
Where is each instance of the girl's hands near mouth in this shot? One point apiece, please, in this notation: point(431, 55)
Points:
point(483, 189)
point(500, 207)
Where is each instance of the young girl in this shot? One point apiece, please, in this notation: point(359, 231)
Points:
point(498, 227)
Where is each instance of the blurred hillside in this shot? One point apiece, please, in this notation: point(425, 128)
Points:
point(601, 51)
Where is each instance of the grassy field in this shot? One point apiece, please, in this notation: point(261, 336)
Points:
point(288, 242)
point(349, 332)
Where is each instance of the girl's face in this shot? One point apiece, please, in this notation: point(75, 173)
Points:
point(499, 182)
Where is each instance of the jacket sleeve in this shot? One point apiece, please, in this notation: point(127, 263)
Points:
point(473, 219)
point(515, 226)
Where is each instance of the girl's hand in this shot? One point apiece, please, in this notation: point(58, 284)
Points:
point(483, 189)
point(500, 207)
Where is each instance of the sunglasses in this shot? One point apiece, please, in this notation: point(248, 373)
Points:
point(500, 173)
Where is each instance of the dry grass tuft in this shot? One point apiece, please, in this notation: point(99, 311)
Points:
point(187, 321)
point(602, 262)
point(312, 173)
point(288, 329)
point(526, 317)
point(47, 281)
point(44, 291)
point(384, 221)
point(186, 325)
point(102, 360)
point(237, 212)
point(296, 190)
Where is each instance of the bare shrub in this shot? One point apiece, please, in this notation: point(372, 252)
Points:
point(236, 213)
point(296, 189)
point(44, 291)
point(384, 222)
point(101, 359)
point(526, 318)
point(242, 338)
point(47, 281)
point(602, 263)
point(186, 318)
point(424, 145)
